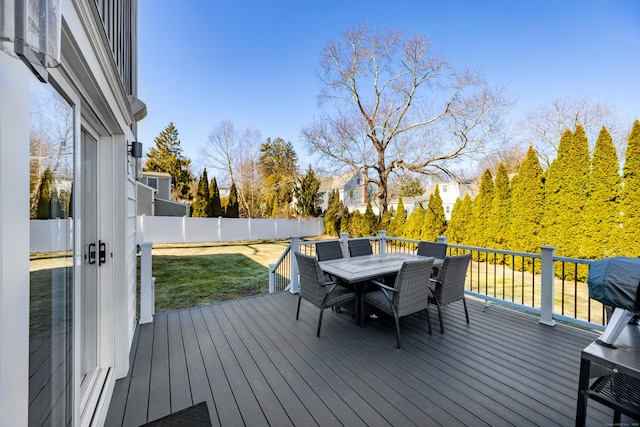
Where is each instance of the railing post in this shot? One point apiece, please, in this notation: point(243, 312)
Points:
point(147, 297)
point(383, 241)
point(295, 245)
point(442, 239)
point(546, 294)
point(344, 241)
point(272, 278)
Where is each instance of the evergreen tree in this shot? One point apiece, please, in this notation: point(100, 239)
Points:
point(345, 219)
point(370, 221)
point(232, 209)
point(306, 193)
point(48, 206)
point(167, 157)
point(214, 199)
point(498, 226)
point(527, 205)
point(356, 226)
point(602, 231)
point(413, 226)
point(478, 233)
point(631, 193)
point(565, 195)
point(333, 215)
point(396, 226)
point(278, 169)
point(435, 222)
point(457, 229)
point(201, 208)
point(385, 221)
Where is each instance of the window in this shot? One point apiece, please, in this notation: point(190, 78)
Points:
point(152, 182)
point(444, 188)
point(447, 209)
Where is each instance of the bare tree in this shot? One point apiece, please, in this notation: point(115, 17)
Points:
point(249, 183)
point(510, 157)
point(398, 106)
point(222, 145)
point(235, 154)
point(543, 127)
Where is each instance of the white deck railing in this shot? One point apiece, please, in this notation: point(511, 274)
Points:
point(546, 296)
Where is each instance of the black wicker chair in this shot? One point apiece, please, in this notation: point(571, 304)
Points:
point(409, 295)
point(316, 289)
point(448, 286)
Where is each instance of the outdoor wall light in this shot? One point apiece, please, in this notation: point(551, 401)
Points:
point(31, 31)
point(135, 149)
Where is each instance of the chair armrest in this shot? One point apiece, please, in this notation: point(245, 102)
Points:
point(383, 286)
point(329, 283)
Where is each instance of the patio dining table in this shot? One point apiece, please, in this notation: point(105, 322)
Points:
point(357, 270)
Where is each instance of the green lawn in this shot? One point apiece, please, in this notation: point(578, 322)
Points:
point(189, 275)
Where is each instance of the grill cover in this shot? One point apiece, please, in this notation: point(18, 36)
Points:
point(615, 282)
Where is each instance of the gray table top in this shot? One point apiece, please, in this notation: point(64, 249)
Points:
point(358, 269)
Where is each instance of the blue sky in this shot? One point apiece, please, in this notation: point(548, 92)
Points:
point(255, 63)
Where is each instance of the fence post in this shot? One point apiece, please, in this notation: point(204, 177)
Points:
point(344, 242)
point(383, 241)
point(546, 294)
point(147, 297)
point(272, 278)
point(295, 245)
point(441, 239)
point(184, 229)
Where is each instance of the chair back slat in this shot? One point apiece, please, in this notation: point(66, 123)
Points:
point(329, 250)
point(433, 249)
point(360, 247)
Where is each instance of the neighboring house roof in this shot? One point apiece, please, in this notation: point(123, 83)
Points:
point(335, 182)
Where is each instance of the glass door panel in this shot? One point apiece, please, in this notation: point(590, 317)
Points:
point(51, 258)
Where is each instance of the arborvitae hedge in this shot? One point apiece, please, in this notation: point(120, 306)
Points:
point(527, 204)
point(201, 207)
point(396, 227)
point(478, 233)
point(498, 225)
point(413, 226)
point(214, 199)
point(602, 231)
point(232, 209)
point(631, 193)
point(434, 222)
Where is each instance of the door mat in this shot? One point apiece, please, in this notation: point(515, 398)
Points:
point(193, 416)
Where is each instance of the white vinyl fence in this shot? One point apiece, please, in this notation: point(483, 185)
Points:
point(54, 235)
point(158, 229)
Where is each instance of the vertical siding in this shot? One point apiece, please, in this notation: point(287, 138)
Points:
point(116, 18)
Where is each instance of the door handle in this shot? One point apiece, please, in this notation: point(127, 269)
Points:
point(92, 253)
point(102, 252)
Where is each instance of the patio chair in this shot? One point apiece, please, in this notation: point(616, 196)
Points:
point(409, 295)
point(316, 289)
point(448, 286)
point(360, 247)
point(434, 249)
point(329, 250)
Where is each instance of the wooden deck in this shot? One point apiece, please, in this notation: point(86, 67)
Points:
point(255, 365)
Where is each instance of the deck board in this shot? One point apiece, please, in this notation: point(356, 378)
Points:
point(254, 364)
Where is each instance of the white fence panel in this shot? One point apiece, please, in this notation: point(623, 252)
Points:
point(199, 230)
point(192, 230)
point(51, 235)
